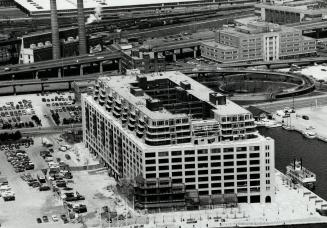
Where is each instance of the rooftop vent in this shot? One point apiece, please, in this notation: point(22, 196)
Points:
point(217, 99)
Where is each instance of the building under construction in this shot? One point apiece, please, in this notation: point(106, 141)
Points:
point(190, 146)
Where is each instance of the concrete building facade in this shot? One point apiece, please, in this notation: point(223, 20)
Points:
point(257, 41)
point(168, 126)
point(144, 60)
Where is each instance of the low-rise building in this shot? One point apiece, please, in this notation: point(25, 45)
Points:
point(286, 12)
point(257, 41)
point(143, 59)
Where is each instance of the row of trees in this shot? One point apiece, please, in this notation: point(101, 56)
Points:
point(4, 137)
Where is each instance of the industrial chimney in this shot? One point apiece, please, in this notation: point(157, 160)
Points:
point(81, 27)
point(55, 30)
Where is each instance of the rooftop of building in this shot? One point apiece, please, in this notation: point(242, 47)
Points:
point(122, 86)
point(253, 26)
point(214, 44)
point(309, 7)
point(43, 5)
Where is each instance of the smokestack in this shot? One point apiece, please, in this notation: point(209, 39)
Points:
point(55, 30)
point(81, 27)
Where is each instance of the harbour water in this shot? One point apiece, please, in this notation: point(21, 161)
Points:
point(291, 144)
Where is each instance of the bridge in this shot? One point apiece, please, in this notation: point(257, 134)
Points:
point(58, 65)
point(316, 26)
point(307, 84)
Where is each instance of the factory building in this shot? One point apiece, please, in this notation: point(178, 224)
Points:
point(185, 145)
point(37, 47)
point(254, 40)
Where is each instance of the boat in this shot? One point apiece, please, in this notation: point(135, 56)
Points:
point(300, 174)
point(309, 134)
point(268, 123)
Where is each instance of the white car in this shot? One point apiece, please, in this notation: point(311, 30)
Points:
point(55, 218)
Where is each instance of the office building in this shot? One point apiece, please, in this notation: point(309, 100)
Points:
point(254, 40)
point(176, 136)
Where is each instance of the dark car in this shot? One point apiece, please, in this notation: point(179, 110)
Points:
point(39, 220)
point(45, 218)
point(64, 218)
point(44, 188)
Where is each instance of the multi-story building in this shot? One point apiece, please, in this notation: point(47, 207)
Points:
point(36, 47)
point(257, 41)
point(286, 12)
point(169, 130)
point(142, 59)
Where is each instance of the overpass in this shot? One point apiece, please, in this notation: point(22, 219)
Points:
point(40, 85)
point(316, 26)
point(307, 84)
point(286, 62)
point(58, 65)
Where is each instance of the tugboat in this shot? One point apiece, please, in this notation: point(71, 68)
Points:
point(301, 175)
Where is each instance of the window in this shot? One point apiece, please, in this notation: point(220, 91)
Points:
point(152, 161)
point(177, 167)
point(189, 159)
point(215, 150)
point(202, 172)
point(231, 163)
point(202, 165)
point(229, 156)
point(150, 168)
point(175, 160)
point(254, 155)
point(203, 151)
point(241, 156)
point(190, 179)
point(189, 152)
point(255, 176)
point(229, 177)
point(215, 164)
point(216, 185)
point(230, 149)
point(229, 184)
point(189, 173)
point(203, 158)
point(240, 170)
point(177, 174)
point(165, 167)
point(163, 154)
point(214, 171)
point(216, 157)
point(176, 153)
point(254, 162)
point(203, 179)
point(240, 149)
point(189, 166)
point(150, 155)
point(162, 161)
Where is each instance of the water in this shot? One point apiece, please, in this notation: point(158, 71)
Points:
point(291, 144)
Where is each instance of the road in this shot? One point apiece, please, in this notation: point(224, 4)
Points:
point(44, 130)
point(64, 62)
point(302, 102)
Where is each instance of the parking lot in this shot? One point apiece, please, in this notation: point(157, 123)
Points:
point(62, 108)
point(31, 205)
